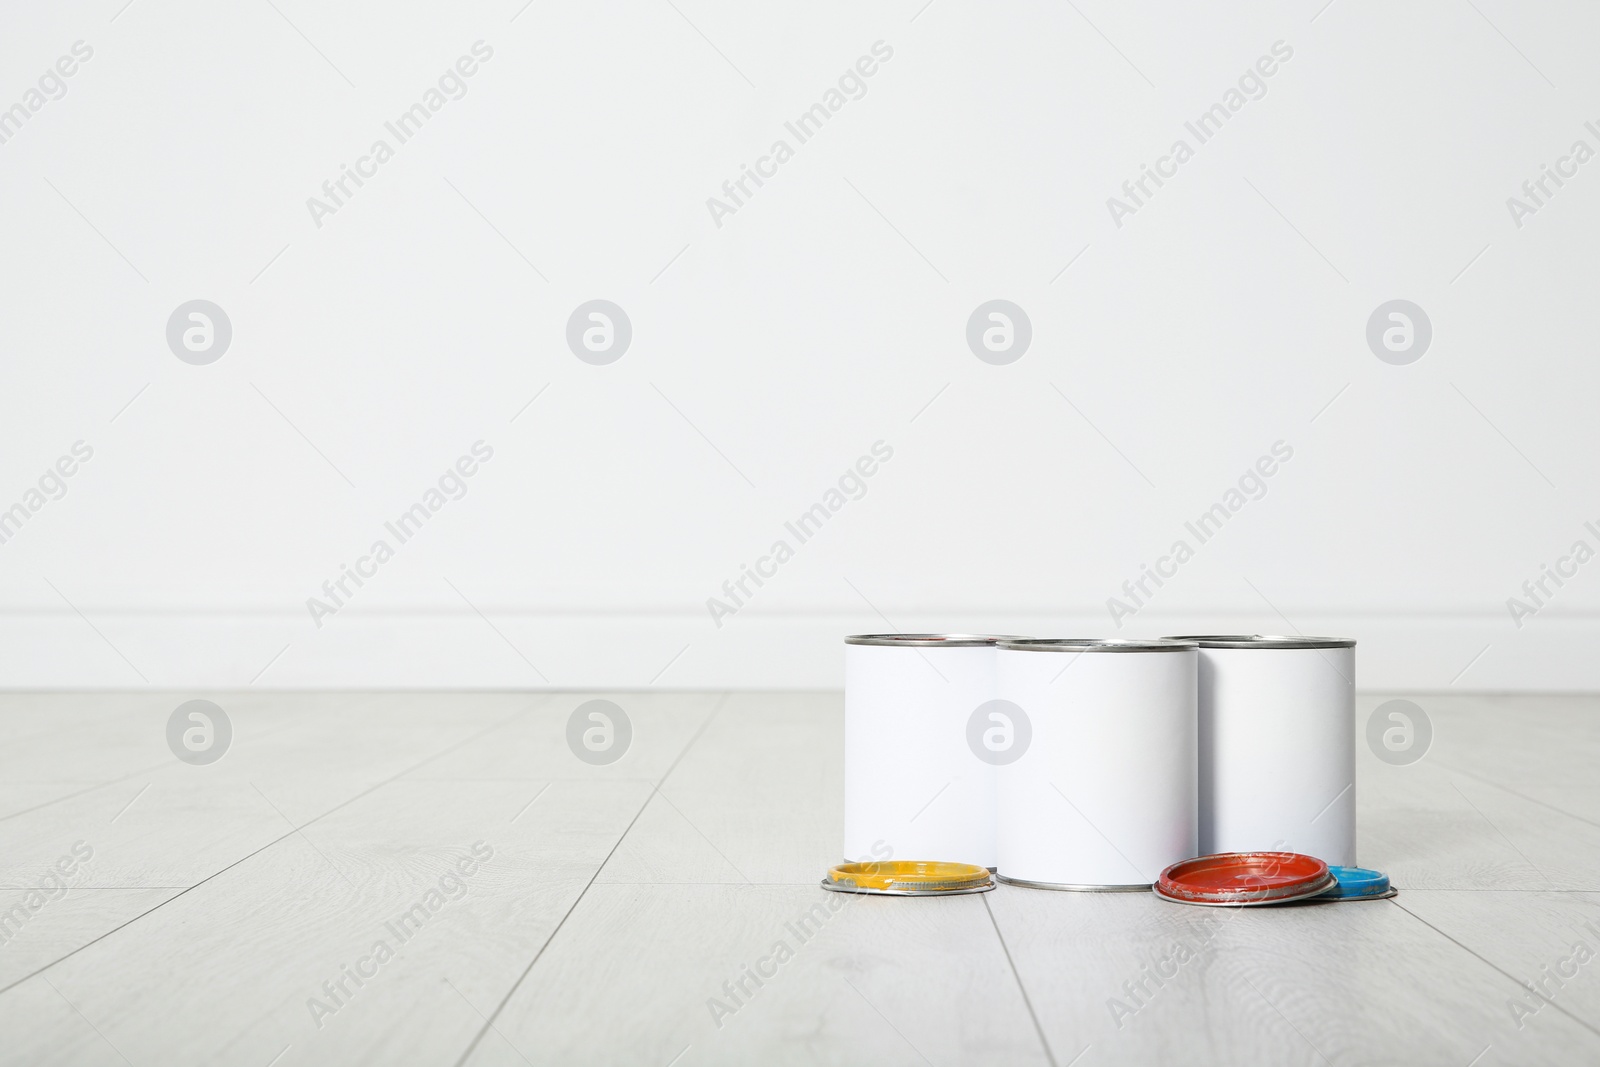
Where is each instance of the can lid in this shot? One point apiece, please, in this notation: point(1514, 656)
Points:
point(907, 877)
point(1266, 641)
point(1355, 883)
point(1094, 644)
point(923, 640)
point(1245, 878)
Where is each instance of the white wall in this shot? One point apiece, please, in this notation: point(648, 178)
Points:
point(829, 312)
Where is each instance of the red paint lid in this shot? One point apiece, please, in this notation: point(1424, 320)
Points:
point(1244, 878)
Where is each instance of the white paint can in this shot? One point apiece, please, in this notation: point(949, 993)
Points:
point(913, 790)
point(1103, 794)
point(1278, 745)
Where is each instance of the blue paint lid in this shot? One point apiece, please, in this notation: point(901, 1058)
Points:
point(1355, 883)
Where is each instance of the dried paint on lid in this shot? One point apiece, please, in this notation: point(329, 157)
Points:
point(1245, 878)
point(1359, 883)
point(908, 878)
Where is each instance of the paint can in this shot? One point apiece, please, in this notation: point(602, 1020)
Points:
point(1277, 746)
point(1104, 797)
point(913, 790)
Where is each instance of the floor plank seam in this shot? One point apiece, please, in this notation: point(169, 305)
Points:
point(1049, 1054)
point(1478, 889)
point(758, 779)
point(109, 781)
point(111, 717)
point(96, 888)
point(84, 792)
point(252, 855)
point(1515, 793)
point(489, 1021)
point(1493, 966)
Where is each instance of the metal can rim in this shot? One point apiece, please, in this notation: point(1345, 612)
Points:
point(924, 640)
point(1095, 644)
point(837, 887)
point(1285, 875)
point(1304, 896)
point(1071, 887)
point(1265, 641)
point(907, 877)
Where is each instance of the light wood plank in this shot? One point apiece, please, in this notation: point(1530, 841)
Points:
point(43, 1030)
point(664, 847)
point(180, 823)
point(1430, 828)
point(1541, 746)
point(1487, 836)
point(1339, 983)
point(239, 959)
point(62, 716)
point(1534, 938)
point(21, 795)
point(71, 737)
point(41, 925)
point(764, 785)
point(534, 746)
point(637, 976)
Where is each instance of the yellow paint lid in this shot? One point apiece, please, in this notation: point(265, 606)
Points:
point(908, 878)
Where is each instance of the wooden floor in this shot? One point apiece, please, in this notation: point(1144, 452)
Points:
point(226, 907)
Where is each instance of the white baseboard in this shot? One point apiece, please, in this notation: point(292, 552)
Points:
point(522, 650)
